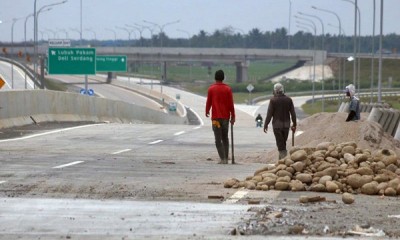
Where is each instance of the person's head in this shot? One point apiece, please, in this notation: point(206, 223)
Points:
point(219, 75)
point(278, 88)
point(350, 90)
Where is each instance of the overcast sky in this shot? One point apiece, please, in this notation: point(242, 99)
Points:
point(193, 16)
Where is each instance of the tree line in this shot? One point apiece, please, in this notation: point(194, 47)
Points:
point(278, 39)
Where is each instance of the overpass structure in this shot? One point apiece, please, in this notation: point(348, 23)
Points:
point(240, 57)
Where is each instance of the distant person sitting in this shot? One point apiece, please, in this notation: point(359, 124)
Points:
point(354, 108)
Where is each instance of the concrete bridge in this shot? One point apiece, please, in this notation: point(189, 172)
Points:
point(240, 57)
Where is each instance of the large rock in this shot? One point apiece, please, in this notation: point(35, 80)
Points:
point(370, 188)
point(347, 198)
point(296, 185)
point(357, 181)
point(304, 177)
point(299, 155)
point(386, 156)
point(282, 186)
point(230, 182)
point(331, 186)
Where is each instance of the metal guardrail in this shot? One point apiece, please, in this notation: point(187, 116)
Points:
point(29, 72)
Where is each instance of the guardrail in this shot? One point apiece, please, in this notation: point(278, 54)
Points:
point(29, 72)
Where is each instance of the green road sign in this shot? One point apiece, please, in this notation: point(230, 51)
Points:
point(72, 61)
point(111, 63)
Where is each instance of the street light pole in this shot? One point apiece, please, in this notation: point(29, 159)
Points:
point(92, 31)
point(35, 33)
point(161, 27)
point(115, 36)
point(339, 41)
point(290, 20)
point(323, 56)
point(373, 52)
point(380, 57)
point(312, 25)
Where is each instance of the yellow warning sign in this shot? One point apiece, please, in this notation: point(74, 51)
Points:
point(2, 82)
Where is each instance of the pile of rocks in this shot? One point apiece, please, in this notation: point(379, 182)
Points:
point(329, 167)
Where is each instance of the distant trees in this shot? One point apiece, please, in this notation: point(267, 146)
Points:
point(230, 37)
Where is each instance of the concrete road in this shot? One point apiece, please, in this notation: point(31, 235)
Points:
point(107, 180)
point(17, 80)
point(109, 91)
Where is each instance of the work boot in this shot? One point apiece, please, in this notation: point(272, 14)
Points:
point(223, 161)
point(282, 154)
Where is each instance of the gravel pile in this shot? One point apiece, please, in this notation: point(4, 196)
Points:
point(365, 162)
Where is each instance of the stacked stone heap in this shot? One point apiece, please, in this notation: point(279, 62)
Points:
point(329, 167)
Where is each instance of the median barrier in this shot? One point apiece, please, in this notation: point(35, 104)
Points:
point(28, 106)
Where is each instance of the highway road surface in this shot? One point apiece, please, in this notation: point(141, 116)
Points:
point(16, 80)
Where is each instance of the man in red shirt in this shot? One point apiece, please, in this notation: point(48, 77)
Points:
point(220, 101)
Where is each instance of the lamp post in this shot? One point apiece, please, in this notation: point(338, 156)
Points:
point(322, 52)
point(76, 30)
point(12, 50)
point(65, 32)
point(35, 30)
point(129, 31)
point(290, 20)
point(140, 30)
point(373, 51)
point(311, 24)
point(91, 31)
point(356, 10)
point(161, 27)
point(189, 44)
point(339, 40)
point(380, 56)
point(115, 36)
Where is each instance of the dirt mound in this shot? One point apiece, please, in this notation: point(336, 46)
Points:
point(332, 127)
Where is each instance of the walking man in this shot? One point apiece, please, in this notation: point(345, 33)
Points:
point(280, 110)
point(220, 101)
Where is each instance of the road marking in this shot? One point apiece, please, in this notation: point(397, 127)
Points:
point(2, 182)
point(68, 164)
point(47, 133)
point(155, 142)
point(179, 133)
point(122, 151)
point(198, 127)
point(236, 197)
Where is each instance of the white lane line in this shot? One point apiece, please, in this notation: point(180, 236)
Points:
point(155, 142)
point(122, 151)
point(236, 197)
point(179, 133)
point(198, 127)
point(47, 133)
point(2, 182)
point(68, 164)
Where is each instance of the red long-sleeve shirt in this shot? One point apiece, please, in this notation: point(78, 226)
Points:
point(220, 101)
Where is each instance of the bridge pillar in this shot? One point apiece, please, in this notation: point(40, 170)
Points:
point(241, 71)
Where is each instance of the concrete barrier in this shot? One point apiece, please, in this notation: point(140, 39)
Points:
point(388, 118)
point(19, 107)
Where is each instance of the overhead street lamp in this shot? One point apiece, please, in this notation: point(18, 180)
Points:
point(129, 31)
point(12, 50)
point(140, 30)
point(115, 36)
point(339, 42)
point(35, 30)
point(290, 20)
point(323, 56)
point(161, 27)
point(356, 10)
point(311, 24)
point(91, 31)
